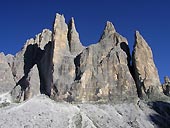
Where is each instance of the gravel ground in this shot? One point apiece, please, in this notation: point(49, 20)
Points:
point(42, 112)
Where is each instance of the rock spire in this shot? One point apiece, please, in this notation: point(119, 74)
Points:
point(146, 74)
point(73, 38)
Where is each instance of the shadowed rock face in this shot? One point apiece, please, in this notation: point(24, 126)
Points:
point(166, 86)
point(162, 116)
point(28, 59)
point(145, 71)
point(45, 68)
point(50, 54)
point(59, 66)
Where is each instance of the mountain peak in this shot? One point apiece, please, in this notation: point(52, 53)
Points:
point(71, 25)
point(139, 39)
point(110, 26)
point(145, 68)
point(73, 38)
point(109, 29)
point(59, 21)
point(60, 30)
point(137, 34)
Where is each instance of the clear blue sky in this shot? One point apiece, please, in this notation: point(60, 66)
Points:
point(23, 19)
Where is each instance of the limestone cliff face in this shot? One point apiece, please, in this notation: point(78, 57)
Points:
point(73, 39)
point(66, 46)
point(102, 70)
point(6, 77)
point(146, 74)
point(63, 61)
point(48, 61)
point(60, 31)
point(24, 63)
point(29, 52)
point(58, 65)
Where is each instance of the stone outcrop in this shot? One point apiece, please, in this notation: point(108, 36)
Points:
point(73, 39)
point(60, 31)
point(66, 46)
point(50, 53)
point(58, 65)
point(166, 86)
point(6, 77)
point(63, 61)
point(24, 63)
point(145, 71)
point(102, 70)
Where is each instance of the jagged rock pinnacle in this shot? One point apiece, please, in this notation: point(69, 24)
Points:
point(146, 74)
point(60, 31)
point(73, 38)
point(59, 21)
point(72, 24)
point(137, 32)
point(109, 29)
point(63, 61)
point(58, 65)
point(139, 39)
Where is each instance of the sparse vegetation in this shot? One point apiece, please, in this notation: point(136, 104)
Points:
point(4, 104)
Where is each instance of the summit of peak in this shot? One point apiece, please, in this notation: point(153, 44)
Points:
point(109, 29)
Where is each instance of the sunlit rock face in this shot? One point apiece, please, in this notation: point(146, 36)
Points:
point(102, 71)
point(66, 46)
point(6, 77)
point(145, 71)
point(55, 63)
point(48, 61)
point(75, 45)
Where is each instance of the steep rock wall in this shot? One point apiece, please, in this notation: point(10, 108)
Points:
point(145, 71)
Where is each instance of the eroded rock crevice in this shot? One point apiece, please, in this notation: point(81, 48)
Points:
point(27, 63)
point(34, 55)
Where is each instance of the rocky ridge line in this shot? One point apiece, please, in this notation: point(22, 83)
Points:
point(59, 66)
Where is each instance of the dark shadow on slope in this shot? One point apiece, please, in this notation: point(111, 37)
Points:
point(78, 60)
point(126, 49)
point(135, 77)
point(69, 34)
point(43, 58)
point(46, 69)
point(32, 56)
point(162, 118)
point(77, 65)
